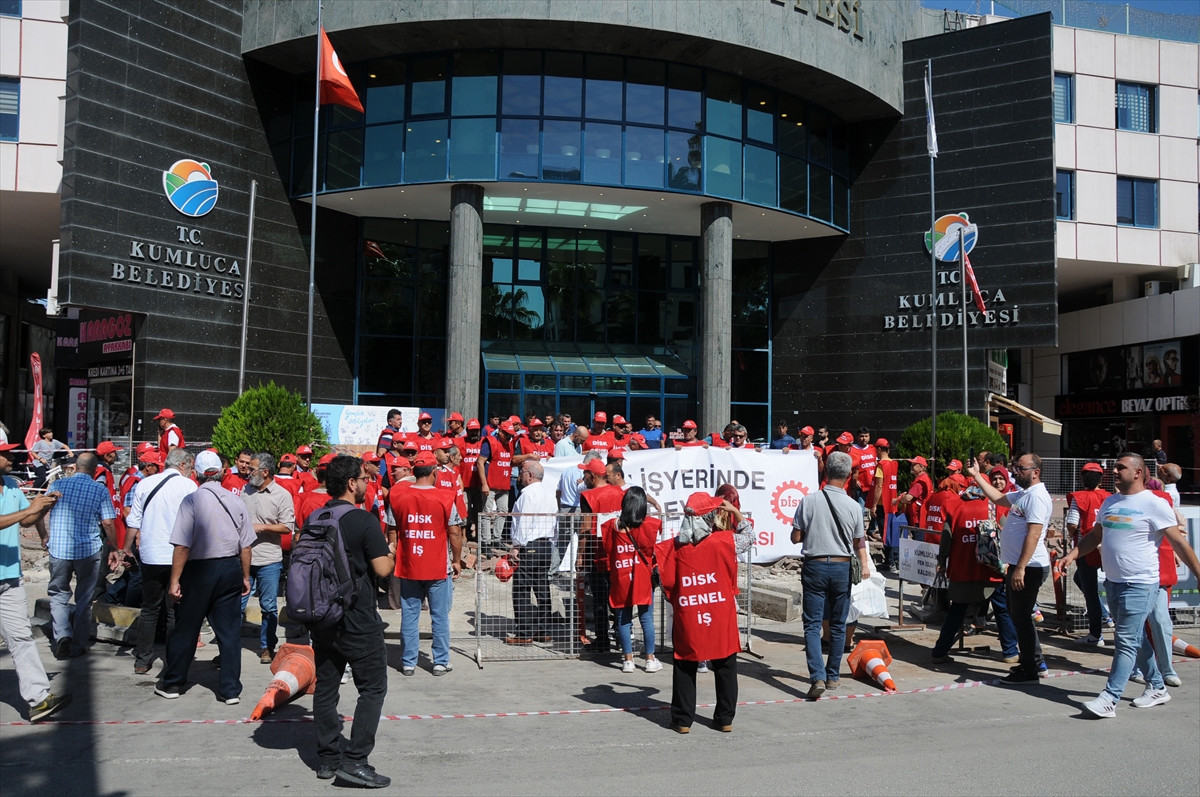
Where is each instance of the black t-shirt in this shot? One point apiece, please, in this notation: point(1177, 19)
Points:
point(364, 542)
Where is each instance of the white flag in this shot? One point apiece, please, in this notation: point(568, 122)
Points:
point(930, 127)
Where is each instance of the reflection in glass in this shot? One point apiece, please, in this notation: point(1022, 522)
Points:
point(387, 307)
point(651, 315)
point(841, 202)
point(683, 97)
point(560, 159)
point(519, 148)
point(621, 317)
point(722, 167)
point(793, 138)
point(644, 157)
point(344, 168)
point(723, 105)
point(429, 86)
point(760, 114)
point(473, 149)
point(644, 92)
point(652, 258)
point(522, 82)
point(602, 161)
point(793, 184)
point(819, 203)
point(684, 160)
point(760, 176)
point(564, 84)
point(818, 136)
point(425, 155)
point(386, 80)
point(603, 89)
point(397, 353)
point(473, 92)
point(383, 154)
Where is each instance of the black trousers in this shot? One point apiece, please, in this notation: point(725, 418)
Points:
point(211, 588)
point(532, 580)
point(1020, 609)
point(601, 612)
point(367, 657)
point(155, 581)
point(683, 691)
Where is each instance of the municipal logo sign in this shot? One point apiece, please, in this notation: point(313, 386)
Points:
point(190, 187)
point(942, 240)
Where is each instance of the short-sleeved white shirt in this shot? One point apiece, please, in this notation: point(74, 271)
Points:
point(1029, 507)
point(1133, 530)
point(156, 522)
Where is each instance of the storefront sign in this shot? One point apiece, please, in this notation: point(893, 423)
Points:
point(1109, 406)
point(104, 371)
point(845, 15)
point(181, 266)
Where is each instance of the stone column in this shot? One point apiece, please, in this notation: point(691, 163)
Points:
point(716, 313)
point(463, 320)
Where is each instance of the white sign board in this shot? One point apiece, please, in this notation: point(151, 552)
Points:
point(360, 424)
point(918, 561)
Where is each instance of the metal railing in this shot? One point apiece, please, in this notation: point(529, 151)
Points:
point(1063, 475)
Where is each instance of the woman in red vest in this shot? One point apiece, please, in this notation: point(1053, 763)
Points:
point(629, 541)
point(699, 577)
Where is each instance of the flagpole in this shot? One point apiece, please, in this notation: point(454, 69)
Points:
point(312, 224)
point(933, 279)
point(246, 289)
point(962, 256)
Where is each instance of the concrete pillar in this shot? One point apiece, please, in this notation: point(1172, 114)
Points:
point(716, 314)
point(463, 320)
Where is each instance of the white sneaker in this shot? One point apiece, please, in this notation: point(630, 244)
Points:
point(1103, 706)
point(1092, 641)
point(1137, 678)
point(1172, 680)
point(627, 665)
point(653, 665)
point(1152, 697)
point(346, 675)
point(703, 667)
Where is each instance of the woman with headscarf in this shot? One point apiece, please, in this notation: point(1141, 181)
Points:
point(699, 570)
point(629, 540)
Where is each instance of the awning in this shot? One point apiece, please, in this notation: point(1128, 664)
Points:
point(1049, 425)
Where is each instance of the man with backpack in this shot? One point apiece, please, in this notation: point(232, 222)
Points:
point(346, 627)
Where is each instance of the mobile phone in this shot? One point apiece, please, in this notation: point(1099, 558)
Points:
point(971, 453)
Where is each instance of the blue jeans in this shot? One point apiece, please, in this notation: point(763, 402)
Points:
point(625, 627)
point(264, 585)
point(958, 612)
point(1160, 634)
point(87, 574)
point(826, 592)
point(1085, 579)
point(440, 594)
point(1131, 605)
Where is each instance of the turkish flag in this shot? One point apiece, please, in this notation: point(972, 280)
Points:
point(35, 423)
point(336, 88)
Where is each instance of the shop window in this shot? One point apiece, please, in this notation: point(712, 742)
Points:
point(1136, 108)
point(1137, 202)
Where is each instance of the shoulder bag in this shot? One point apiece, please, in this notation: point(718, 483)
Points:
point(856, 574)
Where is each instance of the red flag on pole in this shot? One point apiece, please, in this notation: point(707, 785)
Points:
point(974, 285)
point(38, 419)
point(336, 88)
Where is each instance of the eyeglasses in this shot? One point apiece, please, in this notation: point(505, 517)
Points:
point(1020, 469)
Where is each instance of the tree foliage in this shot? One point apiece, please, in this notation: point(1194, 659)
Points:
point(268, 418)
point(957, 434)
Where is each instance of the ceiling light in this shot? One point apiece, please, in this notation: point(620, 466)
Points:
point(372, 76)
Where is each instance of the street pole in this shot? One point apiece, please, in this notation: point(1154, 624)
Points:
point(246, 289)
point(312, 224)
point(962, 256)
point(932, 298)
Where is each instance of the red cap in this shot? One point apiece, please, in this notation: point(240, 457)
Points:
point(689, 424)
point(954, 465)
point(370, 456)
point(919, 461)
point(959, 479)
point(287, 459)
point(593, 466)
point(619, 420)
point(882, 442)
point(401, 462)
point(326, 459)
point(165, 412)
point(473, 423)
point(641, 438)
point(107, 447)
point(600, 417)
point(142, 448)
point(616, 454)
point(409, 442)
point(845, 439)
point(536, 422)
point(303, 451)
point(443, 443)
point(150, 458)
point(9, 446)
point(1092, 467)
point(702, 504)
point(514, 419)
point(807, 430)
point(424, 416)
point(454, 416)
point(507, 428)
point(424, 460)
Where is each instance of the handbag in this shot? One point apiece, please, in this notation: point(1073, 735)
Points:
point(987, 542)
point(655, 580)
point(856, 573)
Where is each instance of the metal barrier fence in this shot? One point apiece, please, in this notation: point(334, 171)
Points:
point(510, 624)
point(1062, 475)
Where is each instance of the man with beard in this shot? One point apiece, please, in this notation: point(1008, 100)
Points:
point(238, 477)
point(272, 514)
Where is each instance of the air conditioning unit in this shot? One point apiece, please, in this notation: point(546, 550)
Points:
point(1189, 276)
point(1156, 287)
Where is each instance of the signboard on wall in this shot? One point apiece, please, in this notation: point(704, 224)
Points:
point(360, 424)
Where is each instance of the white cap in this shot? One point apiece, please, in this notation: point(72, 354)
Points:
point(207, 462)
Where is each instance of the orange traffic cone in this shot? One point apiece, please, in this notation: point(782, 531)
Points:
point(295, 674)
point(1184, 649)
point(870, 660)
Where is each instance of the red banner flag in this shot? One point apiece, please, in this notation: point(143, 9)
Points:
point(974, 285)
point(38, 419)
point(336, 88)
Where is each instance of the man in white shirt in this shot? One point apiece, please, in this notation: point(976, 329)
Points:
point(534, 528)
point(151, 519)
point(1131, 524)
point(1023, 549)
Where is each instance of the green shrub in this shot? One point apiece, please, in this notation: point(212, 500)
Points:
point(957, 434)
point(268, 418)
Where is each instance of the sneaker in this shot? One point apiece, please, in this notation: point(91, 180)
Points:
point(1137, 678)
point(653, 665)
point(831, 685)
point(51, 705)
point(1043, 669)
point(442, 669)
point(1152, 697)
point(62, 648)
point(1103, 706)
point(408, 671)
point(1011, 659)
point(703, 667)
point(816, 690)
point(327, 771)
point(1019, 676)
point(362, 775)
point(230, 701)
point(1037, 616)
point(266, 656)
point(345, 679)
point(169, 692)
point(1172, 680)
point(1092, 641)
point(627, 665)
point(1108, 623)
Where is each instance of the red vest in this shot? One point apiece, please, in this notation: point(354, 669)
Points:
point(915, 511)
point(422, 517)
point(446, 478)
point(234, 483)
point(426, 443)
point(963, 516)
point(598, 442)
point(470, 453)
point(544, 449)
point(701, 582)
point(307, 504)
point(601, 501)
point(628, 575)
point(499, 465)
point(935, 513)
point(1087, 503)
point(868, 458)
point(1168, 574)
point(164, 445)
point(887, 495)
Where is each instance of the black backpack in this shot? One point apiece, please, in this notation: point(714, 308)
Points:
point(320, 589)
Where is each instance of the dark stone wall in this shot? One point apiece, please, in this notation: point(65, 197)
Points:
point(150, 83)
point(834, 359)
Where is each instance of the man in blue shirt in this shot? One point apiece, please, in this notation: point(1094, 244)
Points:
point(783, 439)
point(15, 511)
point(653, 432)
point(84, 507)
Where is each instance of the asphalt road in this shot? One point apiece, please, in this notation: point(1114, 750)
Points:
point(972, 739)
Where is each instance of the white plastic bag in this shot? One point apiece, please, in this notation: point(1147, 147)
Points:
point(868, 599)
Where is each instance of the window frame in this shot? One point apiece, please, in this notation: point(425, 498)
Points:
point(1152, 110)
point(1070, 103)
point(16, 84)
point(1134, 183)
point(1070, 175)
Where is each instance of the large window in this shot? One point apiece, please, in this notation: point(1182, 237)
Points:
point(1064, 195)
point(1135, 108)
point(1064, 99)
point(10, 106)
point(10, 8)
point(552, 116)
point(1137, 202)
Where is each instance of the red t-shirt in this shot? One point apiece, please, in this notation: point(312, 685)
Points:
point(688, 444)
point(628, 575)
point(308, 482)
point(963, 516)
point(235, 482)
point(470, 453)
point(716, 441)
point(701, 582)
point(307, 504)
point(1087, 503)
point(422, 518)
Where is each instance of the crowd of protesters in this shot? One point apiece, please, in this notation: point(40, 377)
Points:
point(195, 536)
